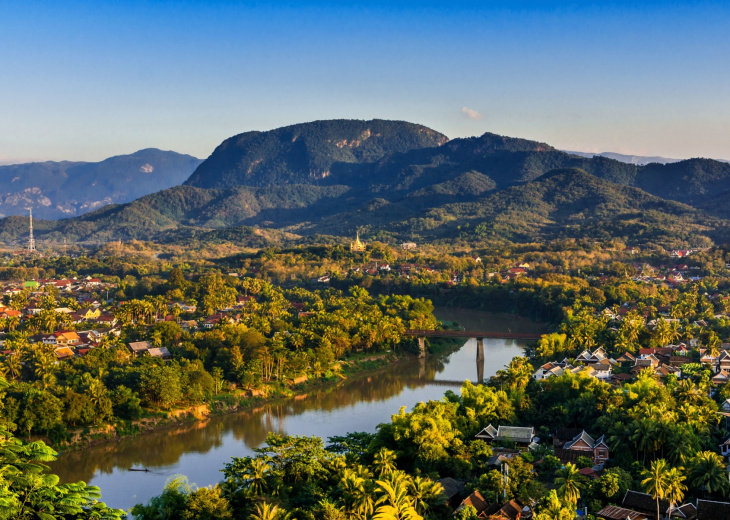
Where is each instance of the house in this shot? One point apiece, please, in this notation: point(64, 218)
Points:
point(589, 473)
point(89, 313)
point(619, 513)
point(188, 324)
point(597, 450)
point(160, 352)
point(476, 500)
point(627, 358)
point(67, 338)
point(521, 435)
point(602, 369)
point(725, 447)
point(509, 511)
point(107, 319)
point(63, 353)
point(711, 510)
point(619, 379)
point(451, 489)
point(722, 377)
point(643, 503)
point(139, 347)
point(725, 406)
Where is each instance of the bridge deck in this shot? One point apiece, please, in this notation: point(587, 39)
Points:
point(471, 334)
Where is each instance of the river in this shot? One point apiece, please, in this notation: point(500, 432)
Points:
point(200, 450)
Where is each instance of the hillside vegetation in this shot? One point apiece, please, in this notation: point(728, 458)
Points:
point(401, 181)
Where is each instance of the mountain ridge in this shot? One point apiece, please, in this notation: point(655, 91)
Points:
point(385, 188)
point(59, 189)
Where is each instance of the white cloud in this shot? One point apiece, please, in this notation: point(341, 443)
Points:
point(470, 113)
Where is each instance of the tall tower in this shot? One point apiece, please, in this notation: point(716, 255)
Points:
point(31, 240)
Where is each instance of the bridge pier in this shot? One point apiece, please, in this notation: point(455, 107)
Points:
point(480, 371)
point(421, 346)
point(480, 349)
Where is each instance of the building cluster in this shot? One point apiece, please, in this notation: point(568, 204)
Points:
point(507, 443)
point(569, 445)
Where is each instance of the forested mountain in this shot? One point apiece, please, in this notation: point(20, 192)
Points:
point(66, 189)
point(401, 180)
point(308, 153)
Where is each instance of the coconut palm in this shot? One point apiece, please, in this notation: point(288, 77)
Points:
point(424, 493)
point(256, 474)
point(266, 511)
point(12, 322)
point(568, 483)
point(394, 502)
point(707, 472)
point(675, 488)
point(656, 481)
point(13, 366)
point(357, 494)
point(384, 461)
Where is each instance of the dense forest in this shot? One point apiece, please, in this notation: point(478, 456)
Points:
point(275, 324)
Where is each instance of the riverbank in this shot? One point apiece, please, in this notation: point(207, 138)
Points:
point(354, 368)
point(229, 403)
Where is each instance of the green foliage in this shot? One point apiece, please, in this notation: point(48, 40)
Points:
point(27, 491)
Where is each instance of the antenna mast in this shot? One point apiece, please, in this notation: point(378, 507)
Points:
point(31, 240)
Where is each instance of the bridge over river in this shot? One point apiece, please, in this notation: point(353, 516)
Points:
point(479, 335)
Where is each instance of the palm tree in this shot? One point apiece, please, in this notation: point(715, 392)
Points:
point(12, 364)
point(675, 488)
point(394, 503)
point(255, 474)
point(424, 492)
point(644, 438)
point(384, 461)
point(357, 494)
point(707, 471)
point(12, 322)
point(266, 511)
point(568, 483)
point(656, 480)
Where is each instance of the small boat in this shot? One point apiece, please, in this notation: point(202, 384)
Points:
point(139, 469)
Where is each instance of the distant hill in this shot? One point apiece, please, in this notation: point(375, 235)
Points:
point(308, 153)
point(67, 189)
point(564, 203)
point(633, 159)
point(398, 179)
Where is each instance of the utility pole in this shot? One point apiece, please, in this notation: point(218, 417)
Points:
point(31, 240)
point(505, 476)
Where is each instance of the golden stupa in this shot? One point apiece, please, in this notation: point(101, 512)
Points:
point(357, 246)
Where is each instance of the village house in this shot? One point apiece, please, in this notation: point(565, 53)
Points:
point(725, 447)
point(67, 338)
point(712, 510)
point(63, 353)
point(139, 347)
point(522, 436)
point(160, 352)
point(643, 503)
point(620, 513)
point(584, 444)
point(89, 313)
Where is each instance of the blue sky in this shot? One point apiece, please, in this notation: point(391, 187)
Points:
point(87, 80)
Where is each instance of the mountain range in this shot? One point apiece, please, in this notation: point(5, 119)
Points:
point(633, 159)
point(66, 189)
point(393, 179)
